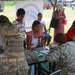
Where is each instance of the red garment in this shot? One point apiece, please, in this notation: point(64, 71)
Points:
point(31, 32)
point(59, 14)
point(70, 34)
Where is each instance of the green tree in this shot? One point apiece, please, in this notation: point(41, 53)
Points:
point(47, 0)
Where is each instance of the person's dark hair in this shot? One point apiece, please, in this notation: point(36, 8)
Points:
point(60, 38)
point(73, 24)
point(35, 23)
point(20, 11)
point(39, 14)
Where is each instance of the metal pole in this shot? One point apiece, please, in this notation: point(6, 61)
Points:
point(53, 11)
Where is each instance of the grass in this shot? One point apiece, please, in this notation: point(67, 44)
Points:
point(10, 11)
point(47, 13)
point(69, 15)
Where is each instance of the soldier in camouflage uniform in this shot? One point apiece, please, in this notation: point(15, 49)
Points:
point(3, 21)
point(64, 53)
point(12, 60)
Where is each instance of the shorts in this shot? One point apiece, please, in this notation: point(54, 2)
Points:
point(47, 36)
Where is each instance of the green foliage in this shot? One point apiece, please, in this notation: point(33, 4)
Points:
point(47, 0)
point(9, 3)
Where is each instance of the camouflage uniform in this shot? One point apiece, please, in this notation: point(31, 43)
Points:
point(12, 58)
point(66, 55)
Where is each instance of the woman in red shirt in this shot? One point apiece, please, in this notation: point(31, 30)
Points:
point(71, 32)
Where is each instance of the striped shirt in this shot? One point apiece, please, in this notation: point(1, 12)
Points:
point(21, 27)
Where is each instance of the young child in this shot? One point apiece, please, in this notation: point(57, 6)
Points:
point(47, 37)
point(19, 22)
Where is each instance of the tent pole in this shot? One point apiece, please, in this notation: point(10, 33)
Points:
point(53, 11)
